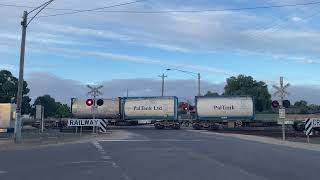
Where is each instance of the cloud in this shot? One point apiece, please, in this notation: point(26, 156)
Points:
point(296, 19)
point(63, 89)
point(135, 59)
point(310, 93)
point(7, 67)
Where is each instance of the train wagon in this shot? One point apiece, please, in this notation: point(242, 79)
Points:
point(163, 110)
point(212, 111)
point(109, 110)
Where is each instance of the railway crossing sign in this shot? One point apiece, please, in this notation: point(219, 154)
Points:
point(83, 122)
point(101, 123)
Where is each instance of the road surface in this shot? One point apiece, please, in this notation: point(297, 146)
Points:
point(150, 154)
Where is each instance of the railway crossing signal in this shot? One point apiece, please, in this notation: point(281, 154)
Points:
point(285, 103)
point(95, 92)
point(89, 102)
point(275, 104)
point(281, 93)
point(99, 102)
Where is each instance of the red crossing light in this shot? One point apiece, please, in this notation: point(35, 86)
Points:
point(275, 104)
point(89, 102)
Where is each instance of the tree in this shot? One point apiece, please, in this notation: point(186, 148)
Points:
point(302, 106)
point(247, 86)
point(211, 94)
point(49, 104)
point(301, 103)
point(63, 110)
point(51, 107)
point(9, 89)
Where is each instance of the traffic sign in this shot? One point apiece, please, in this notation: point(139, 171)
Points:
point(282, 113)
point(316, 122)
point(83, 122)
point(309, 126)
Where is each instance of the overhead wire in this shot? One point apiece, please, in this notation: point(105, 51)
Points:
point(94, 9)
point(163, 11)
point(277, 27)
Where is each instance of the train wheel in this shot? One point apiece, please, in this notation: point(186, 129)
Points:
point(176, 126)
point(187, 124)
point(197, 126)
point(159, 126)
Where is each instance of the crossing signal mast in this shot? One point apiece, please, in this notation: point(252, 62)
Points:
point(281, 92)
point(94, 103)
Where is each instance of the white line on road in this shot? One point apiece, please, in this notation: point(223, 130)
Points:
point(149, 140)
point(81, 162)
point(3, 172)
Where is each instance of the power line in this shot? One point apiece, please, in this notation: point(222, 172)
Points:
point(277, 25)
point(165, 11)
point(94, 9)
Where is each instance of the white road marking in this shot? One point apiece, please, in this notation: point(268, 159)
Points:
point(3, 172)
point(149, 140)
point(125, 140)
point(82, 162)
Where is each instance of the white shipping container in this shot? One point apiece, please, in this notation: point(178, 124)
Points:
point(225, 107)
point(151, 108)
point(7, 115)
point(109, 109)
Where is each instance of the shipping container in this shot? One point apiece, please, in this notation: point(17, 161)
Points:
point(109, 110)
point(159, 108)
point(7, 115)
point(225, 108)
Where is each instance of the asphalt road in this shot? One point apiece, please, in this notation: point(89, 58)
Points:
point(150, 154)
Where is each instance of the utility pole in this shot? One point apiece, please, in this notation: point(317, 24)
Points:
point(199, 79)
point(127, 92)
point(24, 25)
point(162, 86)
point(17, 129)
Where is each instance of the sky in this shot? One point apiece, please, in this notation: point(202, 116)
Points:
point(130, 50)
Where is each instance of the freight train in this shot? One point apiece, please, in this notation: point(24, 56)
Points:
point(163, 111)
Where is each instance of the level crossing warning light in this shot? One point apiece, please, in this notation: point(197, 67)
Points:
point(286, 103)
point(89, 102)
point(100, 102)
point(275, 104)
